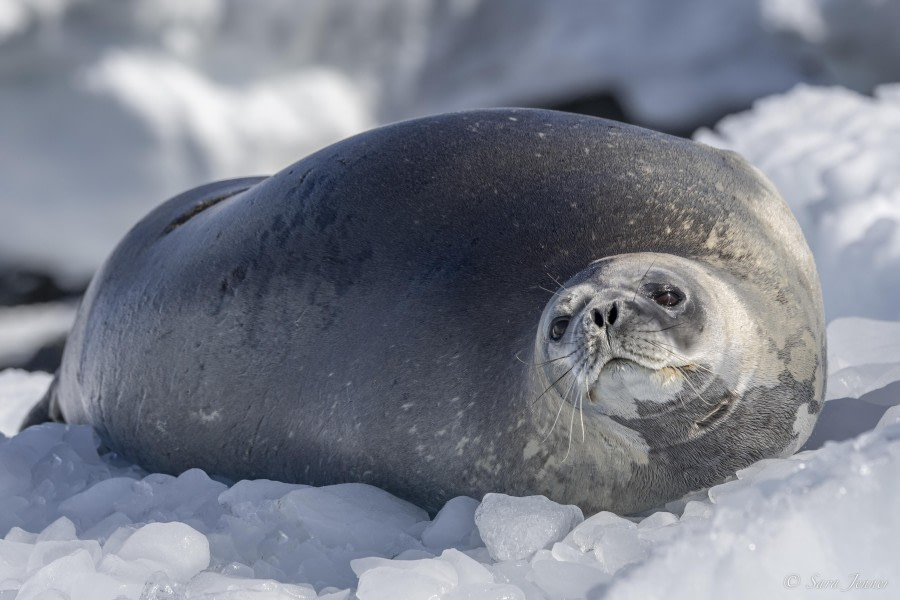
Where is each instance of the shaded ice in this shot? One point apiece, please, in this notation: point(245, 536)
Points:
point(92, 526)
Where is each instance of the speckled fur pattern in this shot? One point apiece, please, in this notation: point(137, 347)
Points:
point(374, 313)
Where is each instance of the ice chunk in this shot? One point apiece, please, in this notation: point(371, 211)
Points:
point(74, 576)
point(178, 549)
point(245, 496)
point(613, 540)
point(362, 516)
point(515, 528)
point(216, 586)
point(469, 571)
point(454, 526)
point(891, 417)
point(656, 520)
point(382, 579)
point(97, 501)
point(568, 580)
point(863, 355)
point(453, 573)
point(586, 534)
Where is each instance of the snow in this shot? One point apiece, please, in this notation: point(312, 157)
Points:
point(861, 364)
point(19, 391)
point(24, 329)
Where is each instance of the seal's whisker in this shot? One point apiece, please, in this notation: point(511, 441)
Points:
point(553, 360)
point(691, 385)
point(540, 287)
point(667, 348)
point(659, 330)
point(547, 362)
point(581, 408)
point(550, 387)
point(562, 401)
point(571, 421)
point(641, 280)
point(556, 281)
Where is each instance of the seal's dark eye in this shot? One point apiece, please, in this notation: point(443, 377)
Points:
point(558, 328)
point(667, 298)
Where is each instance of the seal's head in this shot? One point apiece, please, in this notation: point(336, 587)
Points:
point(649, 339)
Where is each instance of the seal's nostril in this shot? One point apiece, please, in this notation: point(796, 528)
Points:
point(613, 314)
point(598, 317)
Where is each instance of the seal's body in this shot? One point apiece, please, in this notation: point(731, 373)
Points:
point(516, 301)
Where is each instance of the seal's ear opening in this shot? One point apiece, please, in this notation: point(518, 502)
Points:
point(47, 410)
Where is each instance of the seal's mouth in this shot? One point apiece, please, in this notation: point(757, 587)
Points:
point(620, 366)
point(617, 364)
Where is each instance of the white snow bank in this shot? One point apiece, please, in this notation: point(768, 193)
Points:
point(119, 105)
point(24, 329)
point(833, 154)
point(19, 391)
point(85, 523)
point(863, 356)
point(106, 530)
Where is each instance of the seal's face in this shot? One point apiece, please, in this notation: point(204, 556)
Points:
point(641, 337)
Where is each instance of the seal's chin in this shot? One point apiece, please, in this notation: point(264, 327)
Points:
point(621, 382)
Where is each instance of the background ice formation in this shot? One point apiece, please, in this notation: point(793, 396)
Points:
point(111, 106)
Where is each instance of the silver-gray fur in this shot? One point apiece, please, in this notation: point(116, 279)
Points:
point(387, 310)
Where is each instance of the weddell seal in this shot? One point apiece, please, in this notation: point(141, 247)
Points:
point(516, 301)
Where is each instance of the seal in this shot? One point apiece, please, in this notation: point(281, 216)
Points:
point(516, 301)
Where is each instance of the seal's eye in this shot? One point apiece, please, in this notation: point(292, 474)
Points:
point(667, 298)
point(558, 328)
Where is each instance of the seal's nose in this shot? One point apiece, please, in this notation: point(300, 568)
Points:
point(612, 313)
